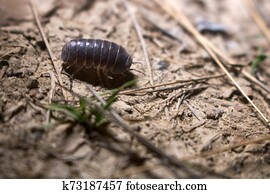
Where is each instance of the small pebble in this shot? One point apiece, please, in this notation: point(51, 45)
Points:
point(41, 44)
point(39, 96)
point(248, 91)
point(211, 27)
point(31, 82)
point(228, 93)
point(238, 107)
point(123, 107)
point(9, 72)
point(161, 65)
point(4, 63)
point(14, 73)
point(214, 113)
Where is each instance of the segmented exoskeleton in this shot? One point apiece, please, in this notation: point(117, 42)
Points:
point(100, 54)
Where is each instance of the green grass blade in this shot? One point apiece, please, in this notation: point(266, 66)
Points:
point(256, 62)
point(113, 97)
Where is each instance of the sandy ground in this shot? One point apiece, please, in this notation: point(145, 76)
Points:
point(180, 120)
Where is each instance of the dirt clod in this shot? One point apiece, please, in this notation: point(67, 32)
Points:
point(32, 82)
point(214, 113)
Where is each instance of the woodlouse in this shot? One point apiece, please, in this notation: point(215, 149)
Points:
point(100, 54)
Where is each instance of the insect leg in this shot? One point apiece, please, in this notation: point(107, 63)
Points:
point(100, 78)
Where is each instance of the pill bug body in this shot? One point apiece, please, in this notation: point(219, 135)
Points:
point(100, 54)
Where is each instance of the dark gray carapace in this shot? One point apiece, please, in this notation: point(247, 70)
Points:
point(100, 54)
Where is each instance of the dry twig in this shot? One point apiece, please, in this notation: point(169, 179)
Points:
point(231, 61)
point(228, 60)
point(117, 119)
point(225, 148)
point(192, 127)
point(51, 94)
point(47, 46)
point(114, 117)
point(257, 18)
point(193, 110)
point(144, 168)
point(143, 44)
point(3, 71)
point(8, 52)
point(145, 89)
point(180, 17)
